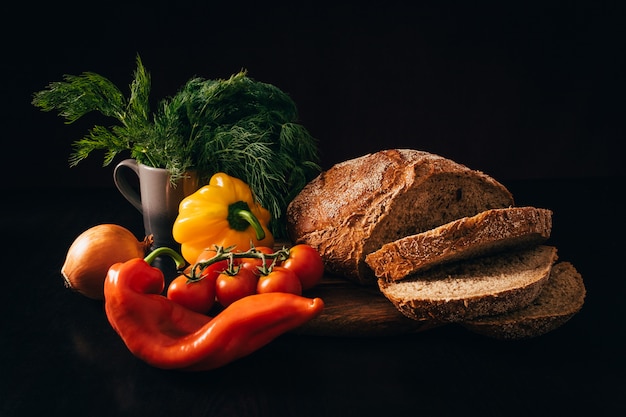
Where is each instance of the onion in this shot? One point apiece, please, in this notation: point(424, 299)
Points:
point(94, 251)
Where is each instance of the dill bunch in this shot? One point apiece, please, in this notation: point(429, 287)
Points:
point(240, 126)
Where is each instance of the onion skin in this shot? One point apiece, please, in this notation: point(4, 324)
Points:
point(94, 251)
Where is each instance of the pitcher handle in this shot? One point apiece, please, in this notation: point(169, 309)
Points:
point(123, 185)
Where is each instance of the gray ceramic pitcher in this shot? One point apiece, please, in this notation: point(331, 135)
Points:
point(157, 199)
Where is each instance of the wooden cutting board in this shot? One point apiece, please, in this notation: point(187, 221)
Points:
point(353, 310)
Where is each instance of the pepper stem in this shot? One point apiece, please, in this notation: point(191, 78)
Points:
point(240, 217)
point(177, 257)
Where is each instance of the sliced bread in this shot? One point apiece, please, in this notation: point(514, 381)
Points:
point(472, 288)
point(561, 298)
point(487, 232)
point(358, 205)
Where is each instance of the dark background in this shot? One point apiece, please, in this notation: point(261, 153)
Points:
point(516, 89)
point(531, 93)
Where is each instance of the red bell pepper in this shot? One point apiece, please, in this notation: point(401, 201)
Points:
point(167, 335)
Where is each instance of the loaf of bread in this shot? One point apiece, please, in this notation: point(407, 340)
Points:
point(561, 298)
point(357, 206)
point(475, 287)
point(487, 232)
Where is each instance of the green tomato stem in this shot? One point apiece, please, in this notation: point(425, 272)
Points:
point(222, 253)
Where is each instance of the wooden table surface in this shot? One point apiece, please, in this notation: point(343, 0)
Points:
point(60, 355)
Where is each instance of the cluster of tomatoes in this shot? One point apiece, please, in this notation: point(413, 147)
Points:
point(227, 280)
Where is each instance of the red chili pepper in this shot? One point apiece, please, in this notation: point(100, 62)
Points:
point(167, 335)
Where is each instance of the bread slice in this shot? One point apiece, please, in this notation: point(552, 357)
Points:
point(356, 206)
point(487, 232)
point(561, 298)
point(477, 287)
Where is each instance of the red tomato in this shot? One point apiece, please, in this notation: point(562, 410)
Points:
point(198, 296)
point(230, 288)
point(307, 263)
point(280, 279)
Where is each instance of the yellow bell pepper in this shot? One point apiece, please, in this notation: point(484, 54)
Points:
point(222, 213)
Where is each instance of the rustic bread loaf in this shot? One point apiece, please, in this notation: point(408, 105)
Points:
point(561, 298)
point(356, 206)
point(472, 288)
point(487, 232)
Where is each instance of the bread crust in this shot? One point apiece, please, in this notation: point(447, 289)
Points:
point(473, 288)
point(356, 206)
point(490, 231)
point(561, 298)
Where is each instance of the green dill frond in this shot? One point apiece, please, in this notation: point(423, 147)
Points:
point(171, 144)
point(89, 92)
point(98, 138)
point(81, 94)
point(139, 101)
